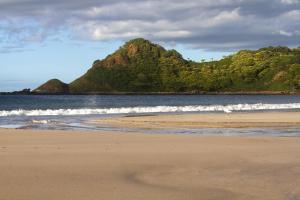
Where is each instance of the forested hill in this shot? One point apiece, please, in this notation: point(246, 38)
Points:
point(141, 66)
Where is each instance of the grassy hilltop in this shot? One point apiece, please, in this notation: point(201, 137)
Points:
point(141, 66)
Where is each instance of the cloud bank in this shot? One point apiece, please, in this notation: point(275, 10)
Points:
point(219, 25)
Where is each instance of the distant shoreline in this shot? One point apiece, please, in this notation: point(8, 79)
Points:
point(156, 93)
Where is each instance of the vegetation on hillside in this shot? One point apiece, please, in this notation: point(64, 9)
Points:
point(141, 66)
point(53, 86)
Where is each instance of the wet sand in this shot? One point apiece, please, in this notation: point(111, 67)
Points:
point(208, 120)
point(73, 165)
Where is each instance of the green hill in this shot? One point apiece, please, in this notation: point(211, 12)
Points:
point(141, 66)
point(53, 86)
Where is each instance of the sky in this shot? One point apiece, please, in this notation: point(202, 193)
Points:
point(44, 39)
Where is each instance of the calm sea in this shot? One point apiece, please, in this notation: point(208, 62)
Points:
point(73, 112)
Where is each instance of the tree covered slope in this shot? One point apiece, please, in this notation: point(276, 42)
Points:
point(141, 66)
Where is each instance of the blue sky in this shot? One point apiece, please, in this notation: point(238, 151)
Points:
point(43, 39)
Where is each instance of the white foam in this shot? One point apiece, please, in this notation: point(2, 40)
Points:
point(40, 121)
point(11, 126)
point(154, 109)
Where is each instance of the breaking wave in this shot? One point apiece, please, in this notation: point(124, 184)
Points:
point(154, 109)
point(40, 121)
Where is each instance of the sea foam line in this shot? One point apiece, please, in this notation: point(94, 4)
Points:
point(154, 109)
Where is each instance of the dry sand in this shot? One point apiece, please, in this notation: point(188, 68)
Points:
point(207, 120)
point(65, 165)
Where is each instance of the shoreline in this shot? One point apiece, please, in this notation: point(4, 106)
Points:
point(158, 93)
point(206, 120)
point(266, 123)
point(87, 165)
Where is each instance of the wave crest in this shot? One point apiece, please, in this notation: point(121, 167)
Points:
point(154, 109)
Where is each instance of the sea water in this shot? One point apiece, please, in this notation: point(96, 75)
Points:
point(69, 112)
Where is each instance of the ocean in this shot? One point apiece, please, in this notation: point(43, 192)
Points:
point(73, 112)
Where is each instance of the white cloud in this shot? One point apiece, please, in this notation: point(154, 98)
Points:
point(292, 15)
point(284, 33)
point(290, 1)
point(206, 24)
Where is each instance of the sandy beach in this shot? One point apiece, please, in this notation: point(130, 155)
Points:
point(74, 165)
